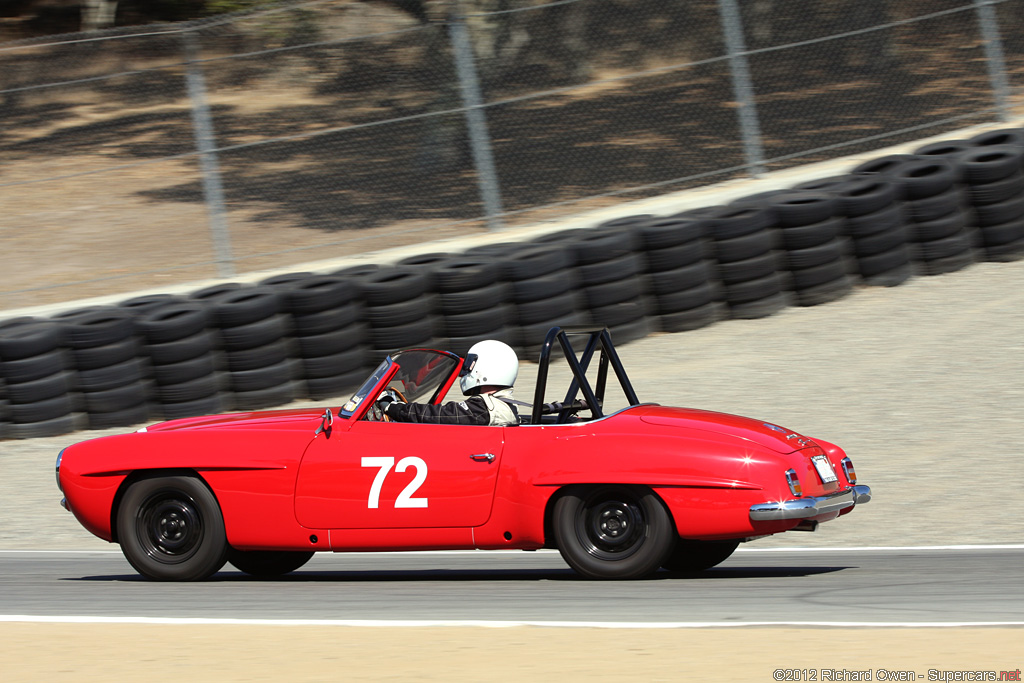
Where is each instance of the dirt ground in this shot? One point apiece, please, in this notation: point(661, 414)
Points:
point(89, 652)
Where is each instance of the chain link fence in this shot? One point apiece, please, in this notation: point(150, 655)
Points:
point(145, 157)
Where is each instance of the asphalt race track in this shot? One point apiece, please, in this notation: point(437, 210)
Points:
point(896, 586)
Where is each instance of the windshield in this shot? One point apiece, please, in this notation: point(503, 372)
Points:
point(420, 377)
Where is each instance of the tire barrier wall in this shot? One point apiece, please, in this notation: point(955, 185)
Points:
point(313, 336)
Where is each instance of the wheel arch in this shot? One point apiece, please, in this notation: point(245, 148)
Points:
point(141, 475)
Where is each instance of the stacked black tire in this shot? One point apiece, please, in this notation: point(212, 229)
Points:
point(330, 337)
point(401, 309)
point(680, 278)
point(994, 181)
point(254, 335)
point(610, 275)
point(474, 302)
point(744, 240)
point(183, 359)
point(109, 374)
point(35, 381)
point(878, 232)
point(815, 250)
point(542, 288)
point(941, 238)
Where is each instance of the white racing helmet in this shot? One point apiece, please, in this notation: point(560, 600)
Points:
point(488, 363)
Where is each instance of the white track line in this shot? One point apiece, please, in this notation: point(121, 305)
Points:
point(475, 623)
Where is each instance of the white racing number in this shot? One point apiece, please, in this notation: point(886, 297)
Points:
point(384, 465)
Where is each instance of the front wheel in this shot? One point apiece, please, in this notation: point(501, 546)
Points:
point(613, 532)
point(696, 556)
point(171, 529)
point(267, 563)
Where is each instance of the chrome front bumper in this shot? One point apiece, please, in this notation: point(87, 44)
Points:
point(803, 508)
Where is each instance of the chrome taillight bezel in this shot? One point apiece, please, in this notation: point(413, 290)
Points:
point(794, 483)
point(848, 471)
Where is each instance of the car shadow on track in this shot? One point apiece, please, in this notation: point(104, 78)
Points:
point(488, 575)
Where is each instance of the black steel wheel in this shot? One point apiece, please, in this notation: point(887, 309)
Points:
point(267, 563)
point(171, 529)
point(613, 532)
point(696, 556)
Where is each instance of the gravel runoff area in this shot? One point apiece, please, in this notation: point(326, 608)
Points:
point(921, 384)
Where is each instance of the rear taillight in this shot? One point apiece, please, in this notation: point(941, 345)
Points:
point(794, 483)
point(851, 474)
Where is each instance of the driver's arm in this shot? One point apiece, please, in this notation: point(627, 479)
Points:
point(472, 411)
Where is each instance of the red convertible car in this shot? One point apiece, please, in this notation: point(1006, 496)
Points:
point(620, 495)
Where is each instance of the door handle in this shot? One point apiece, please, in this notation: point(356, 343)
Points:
point(482, 457)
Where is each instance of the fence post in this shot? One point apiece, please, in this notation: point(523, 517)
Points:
point(213, 191)
point(472, 101)
point(994, 57)
point(750, 128)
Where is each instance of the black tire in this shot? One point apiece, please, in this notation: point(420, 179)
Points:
point(464, 273)
point(192, 390)
point(402, 312)
point(676, 256)
point(171, 529)
point(611, 292)
point(534, 262)
point(25, 337)
point(245, 306)
point(173, 322)
point(404, 336)
point(65, 424)
point(883, 262)
point(748, 269)
point(453, 303)
point(812, 234)
point(110, 377)
point(884, 166)
point(132, 415)
point(948, 264)
point(693, 319)
point(794, 209)
point(686, 299)
point(343, 362)
point(615, 269)
point(328, 320)
point(259, 357)
point(753, 290)
point(104, 356)
point(937, 228)
point(944, 248)
point(759, 308)
point(55, 385)
point(988, 164)
point(391, 285)
point(41, 411)
point(322, 388)
point(806, 278)
point(1004, 136)
point(612, 532)
point(480, 322)
point(267, 398)
point(255, 334)
point(925, 177)
point(547, 286)
point(697, 556)
point(865, 196)
point(998, 191)
point(622, 313)
point(264, 378)
point(118, 398)
point(875, 222)
point(823, 294)
point(816, 255)
point(932, 208)
point(747, 246)
point(1005, 253)
point(208, 405)
point(330, 343)
point(1002, 212)
point(97, 326)
point(890, 278)
point(1004, 233)
point(668, 281)
point(882, 241)
point(182, 349)
point(729, 222)
point(600, 246)
point(267, 563)
point(34, 367)
point(663, 233)
point(194, 368)
point(318, 293)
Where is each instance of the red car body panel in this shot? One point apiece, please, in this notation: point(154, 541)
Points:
point(296, 480)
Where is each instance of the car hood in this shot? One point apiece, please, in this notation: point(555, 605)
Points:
point(299, 419)
point(772, 436)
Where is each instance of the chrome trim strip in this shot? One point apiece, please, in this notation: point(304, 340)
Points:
point(802, 508)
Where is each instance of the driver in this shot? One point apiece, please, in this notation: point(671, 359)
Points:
point(490, 370)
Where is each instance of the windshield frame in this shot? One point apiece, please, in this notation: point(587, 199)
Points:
point(357, 406)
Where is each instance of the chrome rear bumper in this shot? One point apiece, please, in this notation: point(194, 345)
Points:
point(803, 508)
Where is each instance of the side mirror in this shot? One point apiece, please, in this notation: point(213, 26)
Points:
point(325, 423)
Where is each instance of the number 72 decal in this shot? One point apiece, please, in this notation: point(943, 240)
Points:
point(384, 465)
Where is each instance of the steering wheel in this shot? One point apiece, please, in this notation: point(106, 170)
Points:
point(375, 414)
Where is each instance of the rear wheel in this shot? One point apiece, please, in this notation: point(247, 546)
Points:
point(267, 563)
point(171, 529)
point(696, 556)
point(613, 532)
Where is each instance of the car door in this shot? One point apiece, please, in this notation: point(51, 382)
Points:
point(384, 475)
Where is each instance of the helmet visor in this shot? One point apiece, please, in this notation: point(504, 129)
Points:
point(468, 365)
